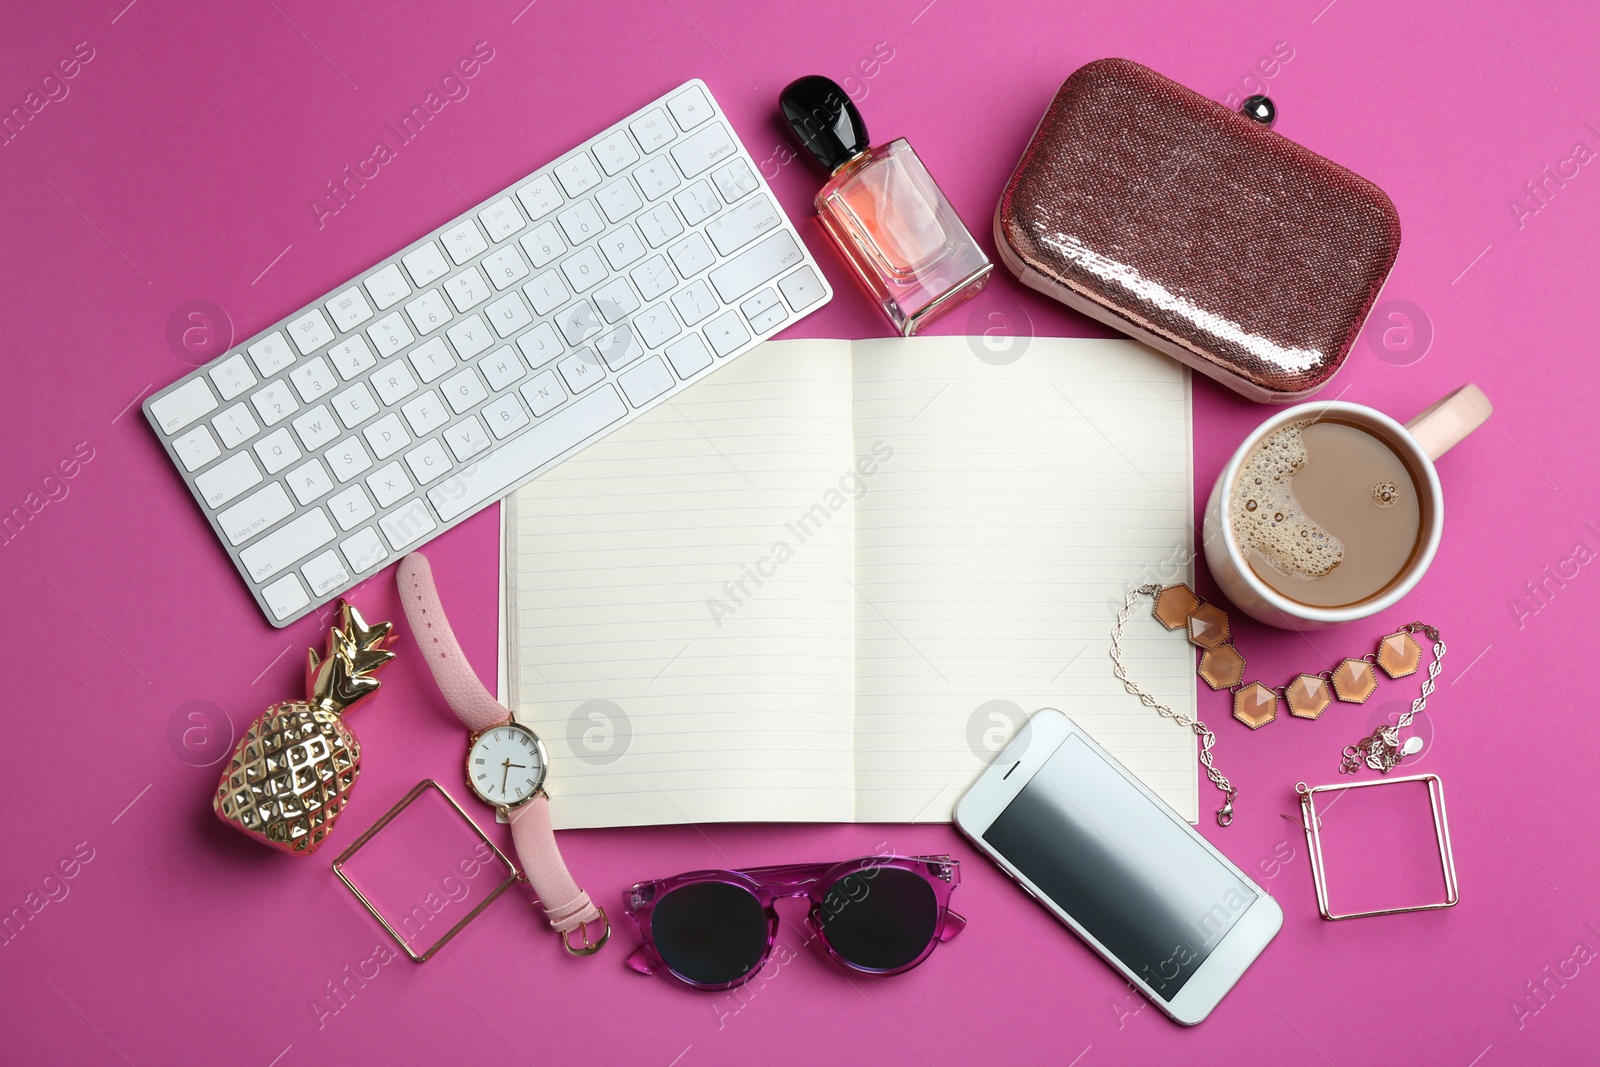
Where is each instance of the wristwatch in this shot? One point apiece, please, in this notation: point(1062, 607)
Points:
point(505, 762)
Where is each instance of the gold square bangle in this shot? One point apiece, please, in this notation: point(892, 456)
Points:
point(513, 875)
point(1319, 875)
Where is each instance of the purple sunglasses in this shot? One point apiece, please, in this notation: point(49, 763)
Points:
point(715, 929)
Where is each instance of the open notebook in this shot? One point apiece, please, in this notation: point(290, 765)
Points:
point(827, 583)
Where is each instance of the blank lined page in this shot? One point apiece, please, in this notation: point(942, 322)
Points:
point(992, 548)
point(679, 604)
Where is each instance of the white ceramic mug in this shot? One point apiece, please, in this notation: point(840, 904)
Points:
point(1418, 443)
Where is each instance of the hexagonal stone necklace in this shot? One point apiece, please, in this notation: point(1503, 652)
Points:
point(1307, 695)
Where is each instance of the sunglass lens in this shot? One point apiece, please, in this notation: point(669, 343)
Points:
point(711, 933)
point(879, 918)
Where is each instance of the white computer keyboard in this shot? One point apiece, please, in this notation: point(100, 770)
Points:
point(438, 381)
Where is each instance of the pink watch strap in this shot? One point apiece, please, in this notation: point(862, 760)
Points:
point(565, 905)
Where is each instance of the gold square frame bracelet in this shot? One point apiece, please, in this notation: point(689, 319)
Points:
point(513, 875)
point(1319, 874)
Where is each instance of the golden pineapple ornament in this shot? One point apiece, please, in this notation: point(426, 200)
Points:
point(292, 772)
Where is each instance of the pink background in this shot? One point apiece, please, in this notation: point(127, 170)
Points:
point(180, 166)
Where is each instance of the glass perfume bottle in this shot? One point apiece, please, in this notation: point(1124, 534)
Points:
point(890, 221)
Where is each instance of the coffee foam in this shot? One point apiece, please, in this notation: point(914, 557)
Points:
point(1267, 517)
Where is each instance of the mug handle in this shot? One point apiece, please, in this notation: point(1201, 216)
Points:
point(1448, 420)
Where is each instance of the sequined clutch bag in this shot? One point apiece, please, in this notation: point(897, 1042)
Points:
point(1197, 230)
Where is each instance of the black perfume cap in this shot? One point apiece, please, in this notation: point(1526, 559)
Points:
point(825, 119)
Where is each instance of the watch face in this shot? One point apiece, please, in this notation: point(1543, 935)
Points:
point(506, 765)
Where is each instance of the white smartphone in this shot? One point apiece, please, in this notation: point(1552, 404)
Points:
point(1102, 853)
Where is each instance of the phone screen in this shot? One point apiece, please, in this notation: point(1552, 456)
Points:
point(1120, 866)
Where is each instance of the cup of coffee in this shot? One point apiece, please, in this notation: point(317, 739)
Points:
point(1331, 511)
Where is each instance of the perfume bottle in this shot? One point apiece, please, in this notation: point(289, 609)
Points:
point(882, 209)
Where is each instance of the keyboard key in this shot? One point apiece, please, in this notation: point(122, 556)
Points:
point(698, 152)
point(273, 402)
point(464, 391)
point(584, 270)
point(352, 356)
point(618, 200)
point(755, 305)
point(768, 320)
point(688, 356)
point(578, 323)
point(290, 542)
point(228, 479)
point(734, 180)
point(802, 289)
point(615, 300)
point(394, 383)
point(389, 484)
point(580, 370)
point(277, 450)
point(285, 596)
point(656, 178)
point(427, 461)
point(432, 359)
point(347, 459)
point(315, 427)
point(618, 348)
point(656, 325)
point(386, 437)
point(505, 416)
point(309, 481)
point(652, 130)
point(310, 331)
point(196, 448)
point(543, 245)
point(501, 367)
point(690, 108)
point(577, 174)
point(659, 225)
point(580, 222)
point(463, 241)
point(756, 266)
point(543, 394)
point(546, 292)
point(466, 438)
point(271, 354)
point(355, 405)
point(389, 334)
point(511, 464)
point(540, 345)
point(313, 380)
point(407, 525)
point(235, 426)
point(697, 203)
point(694, 302)
point(539, 197)
point(653, 277)
point(388, 286)
point(726, 333)
point(621, 247)
point(349, 309)
point(232, 376)
point(615, 151)
point(508, 314)
point(425, 414)
point(425, 263)
point(429, 311)
point(469, 336)
point(255, 513)
point(691, 255)
point(646, 381)
point(501, 219)
point(364, 550)
point(505, 267)
point(325, 573)
point(744, 224)
point(468, 289)
point(350, 507)
point(183, 405)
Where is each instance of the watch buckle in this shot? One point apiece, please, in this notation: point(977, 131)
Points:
point(588, 948)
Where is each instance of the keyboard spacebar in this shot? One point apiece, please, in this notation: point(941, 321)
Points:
point(513, 461)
